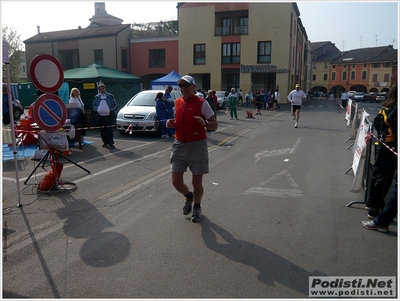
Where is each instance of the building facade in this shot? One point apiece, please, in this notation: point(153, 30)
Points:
point(105, 42)
point(321, 54)
point(366, 70)
point(248, 46)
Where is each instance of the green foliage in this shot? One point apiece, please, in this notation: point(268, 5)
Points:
point(161, 28)
point(10, 35)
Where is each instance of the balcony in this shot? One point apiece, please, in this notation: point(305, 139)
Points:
point(228, 31)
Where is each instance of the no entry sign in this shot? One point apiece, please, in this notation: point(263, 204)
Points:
point(50, 112)
point(46, 73)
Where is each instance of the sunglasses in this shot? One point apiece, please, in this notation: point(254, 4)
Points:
point(186, 85)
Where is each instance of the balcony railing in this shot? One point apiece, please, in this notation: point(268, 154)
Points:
point(227, 31)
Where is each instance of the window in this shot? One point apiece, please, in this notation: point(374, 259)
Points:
point(314, 77)
point(386, 65)
point(264, 52)
point(325, 76)
point(231, 53)
point(314, 66)
point(226, 26)
point(353, 75)
point(199, 54)
point(365, 65)
point(344, 75)
point(353, 66)
point(364, 75)
point(98, 56)
point(69, 60)
point(156, 58)
point(124, 58)
point(243, 25)
point(344, 66)
point(386, 77)
point(333, 66)
point(374, 77)
point(326, 65)
point(333, 75)
point(375, 65)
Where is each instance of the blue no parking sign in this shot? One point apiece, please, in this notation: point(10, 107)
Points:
point(50, 112)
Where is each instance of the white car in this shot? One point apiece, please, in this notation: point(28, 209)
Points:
point(358, 96)
point(351, 93)
point(222, 97)
point(139, 114)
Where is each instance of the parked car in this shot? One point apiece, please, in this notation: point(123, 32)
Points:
point(139, 113)
point(351, 93)
point(222, 97)
point(368, 97)
point(358, 96)
point(381, 97)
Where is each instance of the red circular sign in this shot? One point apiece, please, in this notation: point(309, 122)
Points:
point(46, 73)
point(50, 112)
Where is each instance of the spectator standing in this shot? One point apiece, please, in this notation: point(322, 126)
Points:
point(193, 115)
point(345, 99)
point(269, 98)
point(276, 99)
point(210, 100)
point(214, 95)
point(80, 120)
point(233, 102)
point(170, 107)
point(296, 97)
point(248, 97)
point(104, 105)
point(6, 111)
point(162, 113)
point(382, 221)
point(200, 94)
point(259, 102)
point(385, 165)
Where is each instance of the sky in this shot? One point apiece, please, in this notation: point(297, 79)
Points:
point(349, 25)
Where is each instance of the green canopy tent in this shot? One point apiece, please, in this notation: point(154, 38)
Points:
point(122, 85)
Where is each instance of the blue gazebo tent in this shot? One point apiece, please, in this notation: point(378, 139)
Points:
point(167, 80)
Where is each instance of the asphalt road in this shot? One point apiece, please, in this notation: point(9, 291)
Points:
point(274, 214)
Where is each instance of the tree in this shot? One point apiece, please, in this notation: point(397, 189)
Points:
point(159, 29)
point(10, 35)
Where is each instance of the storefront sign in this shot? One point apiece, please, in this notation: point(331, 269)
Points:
point(261, 69)
point(89, 86)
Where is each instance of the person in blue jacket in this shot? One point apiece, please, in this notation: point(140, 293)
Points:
point(170, 106)
point(162, 113)
point(104, 104)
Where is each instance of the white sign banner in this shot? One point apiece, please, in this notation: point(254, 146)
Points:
point(359, 153)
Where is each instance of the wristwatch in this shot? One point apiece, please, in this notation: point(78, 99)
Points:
point(205, 122)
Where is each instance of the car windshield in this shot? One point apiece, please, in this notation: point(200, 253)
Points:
point(143, 99)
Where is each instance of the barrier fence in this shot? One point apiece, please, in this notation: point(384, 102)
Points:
point(363, 137)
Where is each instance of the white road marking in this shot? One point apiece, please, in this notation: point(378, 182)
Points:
point(294, 192)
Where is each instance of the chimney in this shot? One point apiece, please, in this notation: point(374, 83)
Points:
point(38, 29)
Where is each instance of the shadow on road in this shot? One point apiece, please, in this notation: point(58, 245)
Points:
point(271, 266)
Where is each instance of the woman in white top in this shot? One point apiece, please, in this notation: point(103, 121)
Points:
point(78, 120)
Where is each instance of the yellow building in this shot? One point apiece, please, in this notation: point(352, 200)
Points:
point(248, 46)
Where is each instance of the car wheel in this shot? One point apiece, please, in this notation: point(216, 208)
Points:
point(17, 113)
point(122, 132)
